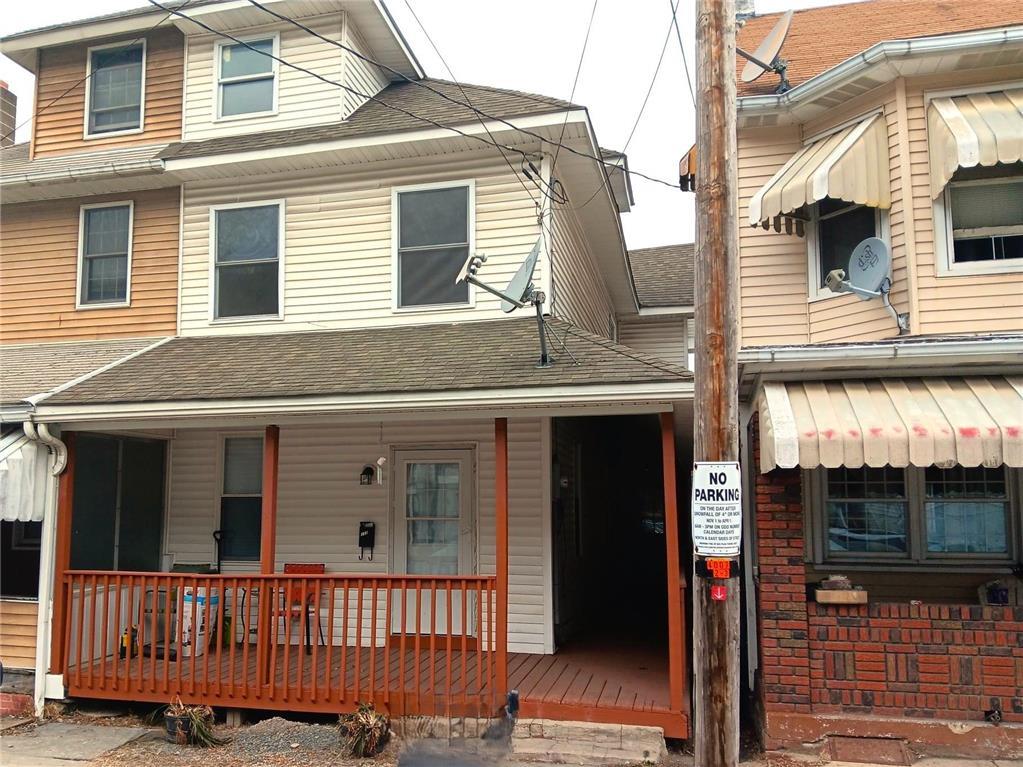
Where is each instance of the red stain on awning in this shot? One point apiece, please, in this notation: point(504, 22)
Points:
point(969, 432)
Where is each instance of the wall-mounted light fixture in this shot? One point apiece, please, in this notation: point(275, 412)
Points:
point(366, 477)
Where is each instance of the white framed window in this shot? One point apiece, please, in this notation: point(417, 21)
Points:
point(979, 221)
point(104, 254)
point(115, 86)
point(247, 261)
point(241, 497)
point(915, 516)
point(433, 232)
point(246, 77)
point(835, 228)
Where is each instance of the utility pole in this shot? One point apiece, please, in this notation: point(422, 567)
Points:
point(716, 583)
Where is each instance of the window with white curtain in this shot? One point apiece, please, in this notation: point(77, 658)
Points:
point(115, 88)
point(987, 219)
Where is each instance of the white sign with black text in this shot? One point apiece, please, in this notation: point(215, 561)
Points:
point(717, 509)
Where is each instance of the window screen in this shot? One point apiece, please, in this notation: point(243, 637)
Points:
point(987, 220)
point(433, 244)
point(966, 510)
point(247, 78)
point(115, 89)
point(247, 242)
point(840, 228)
point(105, 236)
point(241, 501)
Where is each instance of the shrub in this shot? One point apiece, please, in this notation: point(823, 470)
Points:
point(364, 733)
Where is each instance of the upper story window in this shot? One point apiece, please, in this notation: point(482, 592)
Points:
point(433, 239)
point(919, 516)
point(247, 243)
point(836, 228)
point(115, 85)
point(104, 247)
point(985, 212)
point(247, 78)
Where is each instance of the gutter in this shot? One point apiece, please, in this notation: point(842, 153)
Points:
point(889, 51)
point(131, 168)
point(999, 347)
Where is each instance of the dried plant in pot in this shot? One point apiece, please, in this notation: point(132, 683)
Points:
point(365, 732)
point(190, 725)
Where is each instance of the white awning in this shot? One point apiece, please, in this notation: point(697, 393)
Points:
point(850, 165)
point(975, 421)
point(978, 129)
point(23, 478)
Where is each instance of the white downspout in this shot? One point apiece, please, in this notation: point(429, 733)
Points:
point(47, 557)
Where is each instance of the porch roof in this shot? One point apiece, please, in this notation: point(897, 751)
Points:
point(484, 355)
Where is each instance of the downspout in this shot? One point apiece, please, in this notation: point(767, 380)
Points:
point(747, 411)
point(47, 553)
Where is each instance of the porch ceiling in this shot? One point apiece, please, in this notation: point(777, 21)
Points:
point(396, 363)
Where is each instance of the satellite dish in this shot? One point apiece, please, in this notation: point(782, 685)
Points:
point(765, 57)
point(521, 285)
point(868, 267)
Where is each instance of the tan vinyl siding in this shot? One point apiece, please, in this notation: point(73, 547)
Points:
point(664, 337)
point(338, 244)
point(18, 633)
point(360, 76)
point(39, 271)
point(301, 98)
point(60, 128)
point(321, 502)
point(580, 294)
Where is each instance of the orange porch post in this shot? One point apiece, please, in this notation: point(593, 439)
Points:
point(268, 548)
point(676, 627)
point(62, 557)
point(501, 520)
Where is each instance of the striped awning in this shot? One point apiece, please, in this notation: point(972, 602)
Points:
point(850, 165)
point(978, 129)
point(975, 421)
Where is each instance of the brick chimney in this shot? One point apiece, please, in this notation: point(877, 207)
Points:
point(8, 115)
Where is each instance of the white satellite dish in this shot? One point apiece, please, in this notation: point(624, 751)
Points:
point(765, 57)
point(521, 286)
point(868, 267)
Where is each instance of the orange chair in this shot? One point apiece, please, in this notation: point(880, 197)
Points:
point(297, 608)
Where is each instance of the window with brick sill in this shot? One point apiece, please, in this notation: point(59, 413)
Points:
point(915, 517)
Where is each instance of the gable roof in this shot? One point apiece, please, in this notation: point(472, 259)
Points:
point(821, 38)
point(663, 275)
point(493, 354)
point(374, 118)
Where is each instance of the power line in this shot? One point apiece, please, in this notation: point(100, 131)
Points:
point(685, 61)
point(575, 82)
point(40, 110)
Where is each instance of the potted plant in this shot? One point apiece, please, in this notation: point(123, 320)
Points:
point(364, 733)
point(190, 725)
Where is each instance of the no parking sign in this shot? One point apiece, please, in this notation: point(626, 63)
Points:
point(717, 509)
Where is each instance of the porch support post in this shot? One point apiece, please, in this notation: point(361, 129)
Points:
point(501, 521)
point(676, 631)
point(62, 555)
point(266, 633)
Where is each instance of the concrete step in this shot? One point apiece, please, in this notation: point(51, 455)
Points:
point(586, 743)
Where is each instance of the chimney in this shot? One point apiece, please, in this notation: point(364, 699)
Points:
point(8, 115)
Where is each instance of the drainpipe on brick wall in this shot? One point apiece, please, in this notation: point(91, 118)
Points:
point(47, 551)
point(747, 465)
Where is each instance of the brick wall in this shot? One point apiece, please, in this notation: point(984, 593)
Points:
point(893, 660)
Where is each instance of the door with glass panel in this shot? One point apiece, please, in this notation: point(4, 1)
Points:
point(434, 537)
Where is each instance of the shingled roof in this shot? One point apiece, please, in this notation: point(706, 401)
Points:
point(821, 38)
point(380, 116)
point(493, 354)
point(663, 275)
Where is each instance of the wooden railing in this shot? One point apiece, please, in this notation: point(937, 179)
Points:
point(409, 644)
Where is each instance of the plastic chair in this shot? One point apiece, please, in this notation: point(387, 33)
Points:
point(296, 608)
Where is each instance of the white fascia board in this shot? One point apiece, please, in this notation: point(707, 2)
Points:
point(874, 58)
point(399, 38)
point(662, 311)
point(539, 397)
point(173, 165)
point(882, 355)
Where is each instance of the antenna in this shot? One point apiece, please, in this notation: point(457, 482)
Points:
point(869, 277)
point(765, 58)
point(519, 293)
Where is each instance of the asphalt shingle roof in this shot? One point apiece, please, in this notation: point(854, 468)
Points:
point(29, 369)
point(374, 118)
point(663, 275)
point(398, 360)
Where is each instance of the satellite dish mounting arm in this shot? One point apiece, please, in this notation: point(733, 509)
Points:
point(503, 296)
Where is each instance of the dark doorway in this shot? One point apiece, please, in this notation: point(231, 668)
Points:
point(117, 520)
point(19, 559)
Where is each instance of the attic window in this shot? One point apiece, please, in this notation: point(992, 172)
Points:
point(114, 86)
point(247, 78)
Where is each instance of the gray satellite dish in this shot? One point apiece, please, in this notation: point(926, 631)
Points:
point(521, 285)
point(765, 57)
point(868, 267)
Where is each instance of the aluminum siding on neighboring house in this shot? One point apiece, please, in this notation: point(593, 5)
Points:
point(663, 336)
point(580, 295)
point(321, 502)
point(18, 633)
point(338, 248)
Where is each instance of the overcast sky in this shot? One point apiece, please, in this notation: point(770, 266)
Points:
point(531, 45)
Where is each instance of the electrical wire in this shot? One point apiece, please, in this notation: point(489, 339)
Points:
point(74, 85)
point(685, 60)
point(575, 83)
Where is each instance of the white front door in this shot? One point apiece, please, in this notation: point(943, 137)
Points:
point(434, 536)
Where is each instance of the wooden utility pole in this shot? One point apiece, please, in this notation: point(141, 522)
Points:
point(716, 618)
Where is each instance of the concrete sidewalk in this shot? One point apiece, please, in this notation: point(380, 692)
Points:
point(56, 744)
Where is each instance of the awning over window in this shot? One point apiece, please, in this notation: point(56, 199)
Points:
point(977, 129)
point(892, 422)
point(23, 478)
point(850, 165)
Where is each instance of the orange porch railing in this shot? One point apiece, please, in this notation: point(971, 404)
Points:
point(408, 644)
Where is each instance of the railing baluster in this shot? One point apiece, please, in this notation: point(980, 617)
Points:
point(92, 629)
point(331, 596)
point(315, 635)
point(222, 608)
point(344, 644)
point(447, 669)
point(401, 642)
point(275, 616)
point(303, 632)
point(104, 645)
point(479, 647)
point(373, 642)
point(418, 680)
point(247, 602)
point(81, 632)
point(168, 617)
point(387, 641)
point(358, 643)
point(465, 644)
point(152, 634)
point(433, 645)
